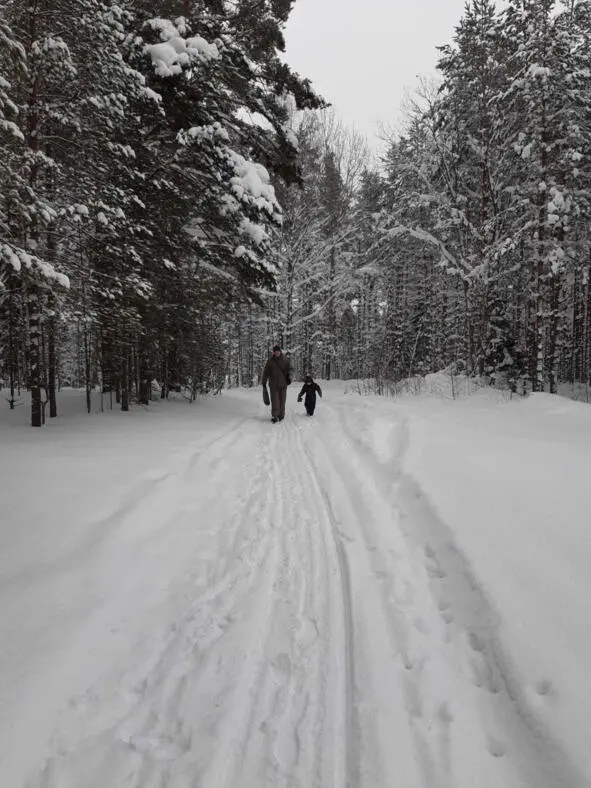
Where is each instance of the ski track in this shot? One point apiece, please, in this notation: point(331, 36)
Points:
point(323, 632)
point(249, 684)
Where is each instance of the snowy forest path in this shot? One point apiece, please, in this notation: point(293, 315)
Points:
point(236, 665)
point(278, 605)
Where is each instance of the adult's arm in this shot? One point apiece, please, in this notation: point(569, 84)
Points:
point(266, 372)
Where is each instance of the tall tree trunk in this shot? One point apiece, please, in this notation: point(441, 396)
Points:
point(11, 346)
point(34, 307)
point(587, 343)
point(576, 338)
point(250, 349)
point(538, 337)
point(471, 366)
point(330, 350)
point(164, 374)
point(34, 295)
point(125, 380)
point(239, 355)
point(87, 370)
point(52, 367)
point(553, 338)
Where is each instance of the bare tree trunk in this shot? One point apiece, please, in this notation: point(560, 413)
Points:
point(587, 343)
point(239, 355)
point(251, 344)
point(125, 381)
point(144, 382)
point(553, 340)
point(11, 347)
point(34, 306)
point(34, 296)
point(164, 372)
point(471, 366)
point(52, 363)
point(330, 350)
point(87, 373)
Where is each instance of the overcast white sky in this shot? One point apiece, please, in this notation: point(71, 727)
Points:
point(362, 55)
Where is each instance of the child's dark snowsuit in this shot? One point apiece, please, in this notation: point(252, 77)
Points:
point(309, 390)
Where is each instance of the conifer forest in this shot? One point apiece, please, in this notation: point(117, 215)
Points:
point(174, 200)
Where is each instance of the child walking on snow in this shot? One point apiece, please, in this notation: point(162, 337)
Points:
point(309, 390)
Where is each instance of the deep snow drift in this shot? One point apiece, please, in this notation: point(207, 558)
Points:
point(393, 593)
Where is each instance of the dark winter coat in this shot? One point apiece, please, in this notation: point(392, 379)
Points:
point(277, 373)
point(309, 391)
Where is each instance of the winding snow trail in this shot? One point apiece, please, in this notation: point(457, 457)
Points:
point(269, 606)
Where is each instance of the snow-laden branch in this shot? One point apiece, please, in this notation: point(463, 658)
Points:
point(426, 237)
point(23, 262)
point(175, 52)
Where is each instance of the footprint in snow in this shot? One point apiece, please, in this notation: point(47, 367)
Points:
point(444, 714)
point(484, 676)
point(432, 565)
point(476, 643)
point(421, 626)
point(407, 662)
point(495, 747)
point(282, 664)
point(544, 687)
point(160, 749)
point(435, 572)
point(445, 612)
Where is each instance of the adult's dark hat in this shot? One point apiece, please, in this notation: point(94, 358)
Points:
point(277, 347)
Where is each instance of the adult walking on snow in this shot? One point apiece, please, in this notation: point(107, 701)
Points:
point(277, 373)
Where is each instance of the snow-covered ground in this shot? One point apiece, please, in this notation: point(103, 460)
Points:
point(393, 594)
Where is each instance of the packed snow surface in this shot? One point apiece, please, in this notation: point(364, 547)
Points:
point(391, 594)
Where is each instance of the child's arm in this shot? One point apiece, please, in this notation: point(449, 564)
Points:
point(301, 394)
point(318, 389)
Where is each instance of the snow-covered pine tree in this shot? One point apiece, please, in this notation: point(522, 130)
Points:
point(150, 132)
point(571, 203)
point(36, 64)
point(531, 104)
point(365, 354)
point(466, 130)
point(223, 134)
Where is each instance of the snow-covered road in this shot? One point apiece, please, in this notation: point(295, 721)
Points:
point(217, 602)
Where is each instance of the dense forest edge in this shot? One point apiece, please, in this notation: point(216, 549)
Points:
point(174, 200)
